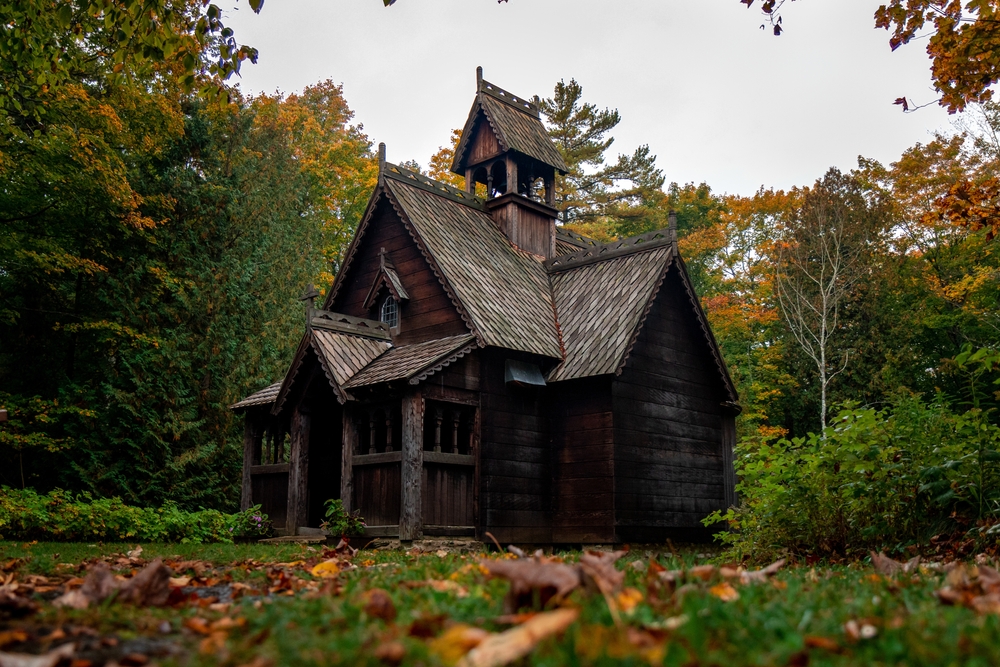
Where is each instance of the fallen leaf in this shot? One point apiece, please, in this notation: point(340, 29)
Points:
point(761, 575)
point(8, 637)
point(724, 591)
point(135, 553)
point(552, 581)
point(506, 647)
point(151, 586)
point(703, 572)
point(15, 604)
point(391, 653)
point(824, 643)
point(378, 604)
point(50, 659)
point(326, 569)
point(888, 567)
point(198, 625)
point(456, 642)
point(628, 599)
point(600, 568)
point(180, 581)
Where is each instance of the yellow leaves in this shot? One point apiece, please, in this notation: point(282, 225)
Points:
point(629, 599)
point(725, 592)
point(456, 641)
point(326, 569)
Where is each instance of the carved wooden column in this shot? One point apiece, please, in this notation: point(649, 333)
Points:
point(348, 448)
point(411, 508)
point(438, 418)
point(388, 430)
point(251, 455)
point(371, 431)
point(298, 471)
point(455, 416)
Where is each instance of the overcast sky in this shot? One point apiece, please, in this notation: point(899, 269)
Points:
point(717, 99)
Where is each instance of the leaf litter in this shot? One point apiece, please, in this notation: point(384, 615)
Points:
point(544, 599)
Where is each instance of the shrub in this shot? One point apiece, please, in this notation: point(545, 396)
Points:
point(873, 480)
point(340, 522)
point(58, 516)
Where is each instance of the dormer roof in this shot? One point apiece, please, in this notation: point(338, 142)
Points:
point(515, 122)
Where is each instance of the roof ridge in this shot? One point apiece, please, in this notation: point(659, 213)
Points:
point(509, 98)
point(404, 175)
point(575, 238)
point(619, 248)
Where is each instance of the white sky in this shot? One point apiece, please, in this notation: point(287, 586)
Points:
point(716, 98)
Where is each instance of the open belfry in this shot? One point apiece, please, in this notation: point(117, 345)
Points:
point(474, 368)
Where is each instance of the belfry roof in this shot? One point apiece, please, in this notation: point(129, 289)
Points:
point(517, 124)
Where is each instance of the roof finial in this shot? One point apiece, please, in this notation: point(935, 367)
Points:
point(672, 227)
point(309, 296)
point(381, 157)
point(479, 78)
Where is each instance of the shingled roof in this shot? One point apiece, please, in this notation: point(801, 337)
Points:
point(413, 362)
point(265, 396)
point(599, 306)
point(341, 355)
point(502, 292)
point(516, 124)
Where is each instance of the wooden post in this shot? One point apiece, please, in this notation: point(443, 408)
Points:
point(349, 447)
point(511, 174)
point(251, 438)
point(728, 458)
point(371, 431)
point(438, 418)
point(388, 430)
point(411, 508)
point(298, 472)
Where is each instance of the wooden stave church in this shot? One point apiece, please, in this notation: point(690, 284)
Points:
point(476, 369)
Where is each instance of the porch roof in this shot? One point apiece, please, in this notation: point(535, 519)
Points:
point(413, 362)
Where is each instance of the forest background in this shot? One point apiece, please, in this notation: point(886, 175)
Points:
point(157, 227)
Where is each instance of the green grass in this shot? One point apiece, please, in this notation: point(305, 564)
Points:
point(768, 625)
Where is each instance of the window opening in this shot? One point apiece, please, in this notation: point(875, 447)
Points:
point(390, 312)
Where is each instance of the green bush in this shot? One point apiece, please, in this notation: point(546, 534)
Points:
point(58, 516)
point(873, 480)
point(339, 522)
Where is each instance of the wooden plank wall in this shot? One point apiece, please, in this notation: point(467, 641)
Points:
point(515, 470)
point(270, 491)
point(484, 144)
point(583, 461)
point(429, 313)
point(377, 492)
point(447, 497)
point(668, 426)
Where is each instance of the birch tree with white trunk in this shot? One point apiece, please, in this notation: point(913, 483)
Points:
point(820, 257)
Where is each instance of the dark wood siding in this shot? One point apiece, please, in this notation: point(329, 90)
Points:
point(429, 313)
point(515, 469)
point(484, 144)
point(668, 425)
point(583, 461)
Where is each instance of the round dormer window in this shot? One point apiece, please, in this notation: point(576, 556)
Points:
point(390, 312)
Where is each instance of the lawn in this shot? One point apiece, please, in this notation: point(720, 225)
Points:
point(266, 605)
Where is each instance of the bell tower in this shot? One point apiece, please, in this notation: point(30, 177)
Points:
point(505, 147)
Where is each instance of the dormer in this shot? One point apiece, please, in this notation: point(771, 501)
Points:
point(505, 147)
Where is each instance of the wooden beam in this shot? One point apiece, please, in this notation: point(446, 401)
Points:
point(349, 446)
point(728, 458)
point(411, 507)
point(251, 438)
point(298, 471)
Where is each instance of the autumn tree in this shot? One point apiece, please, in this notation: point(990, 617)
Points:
point(964, 43)
point(820, 256)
